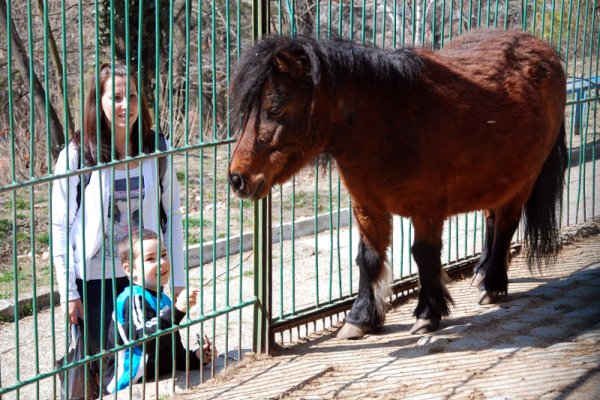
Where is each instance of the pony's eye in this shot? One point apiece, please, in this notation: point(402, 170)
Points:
point(264, 140)
point(275, 111)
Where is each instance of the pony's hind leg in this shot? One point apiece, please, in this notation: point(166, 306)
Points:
point(434, 298)
point(368, 311)
point(494, 285)
point(486, 251)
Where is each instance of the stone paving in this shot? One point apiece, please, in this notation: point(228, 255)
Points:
point(543, 342)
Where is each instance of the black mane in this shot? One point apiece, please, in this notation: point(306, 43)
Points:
point(393, 69)
point(339, 60)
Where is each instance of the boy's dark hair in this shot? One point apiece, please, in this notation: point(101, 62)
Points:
point(137, 235)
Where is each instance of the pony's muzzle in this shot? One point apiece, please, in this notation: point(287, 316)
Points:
point(246, 188)
point(237, 182)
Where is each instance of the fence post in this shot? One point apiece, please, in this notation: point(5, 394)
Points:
point(262, 225)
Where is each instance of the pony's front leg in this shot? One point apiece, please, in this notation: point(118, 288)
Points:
point(368, 311)
point(433, 295)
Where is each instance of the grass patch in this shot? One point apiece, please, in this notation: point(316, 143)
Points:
point(301, 200)
point(180, 177)
point(192, 240)
point(194, 222)
point(7, 284)
point(22, 204)
point(22, 236)
point(5, 278)
point(5, 228)
point(25, 279)
point(43, 238)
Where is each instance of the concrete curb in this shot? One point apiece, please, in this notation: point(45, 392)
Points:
point(234, 244)
point(45, 297)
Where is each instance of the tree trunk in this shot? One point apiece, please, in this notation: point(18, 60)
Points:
point(148, 34)
point(37, 91)
point(58, 67)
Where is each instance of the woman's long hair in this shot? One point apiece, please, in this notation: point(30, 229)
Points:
point(92, 154)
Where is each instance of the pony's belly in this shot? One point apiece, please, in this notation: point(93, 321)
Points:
point(460, 197)
point(487, 195)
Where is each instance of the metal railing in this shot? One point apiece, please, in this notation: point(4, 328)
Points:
point(299, 276)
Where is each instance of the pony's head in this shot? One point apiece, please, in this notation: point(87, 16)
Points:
point(272, 100)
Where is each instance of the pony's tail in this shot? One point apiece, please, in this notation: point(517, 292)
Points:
point(544, 204)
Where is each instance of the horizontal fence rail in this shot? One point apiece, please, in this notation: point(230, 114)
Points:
point(270, 271)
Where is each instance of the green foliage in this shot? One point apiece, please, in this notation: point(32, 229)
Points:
point(22, 236)
point(22, 203)
point(194, 222)
point(7, 277)
point(302, 200)
point(247, 204)
point(5, 228)
point(180, 177)
point(43, 238)
point(193, 239)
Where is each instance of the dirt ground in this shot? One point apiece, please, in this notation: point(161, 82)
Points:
point(543, 342)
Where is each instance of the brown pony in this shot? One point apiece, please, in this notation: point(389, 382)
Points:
point(422, 134)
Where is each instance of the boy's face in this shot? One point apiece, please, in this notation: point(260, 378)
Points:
point(150, 257)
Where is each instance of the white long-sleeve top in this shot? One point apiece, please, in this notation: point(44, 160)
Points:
point(70, 222)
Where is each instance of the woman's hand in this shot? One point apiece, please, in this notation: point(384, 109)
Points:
point(74, 310)
point(207, 350)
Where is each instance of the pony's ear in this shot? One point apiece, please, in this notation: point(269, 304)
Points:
point(289, 63)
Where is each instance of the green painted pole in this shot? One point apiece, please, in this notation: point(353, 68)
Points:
point(262, 335)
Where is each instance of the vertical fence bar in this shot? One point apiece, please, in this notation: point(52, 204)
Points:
point(49, 192)
point(13, 177)
point(594, 58)
point(215, 128)
point(186, 222)
point(32, 163)
point(262, 224)
point(228, 199)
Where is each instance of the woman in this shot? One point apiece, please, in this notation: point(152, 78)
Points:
point(88, 221)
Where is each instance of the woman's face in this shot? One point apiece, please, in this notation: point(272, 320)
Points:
point(124, 105)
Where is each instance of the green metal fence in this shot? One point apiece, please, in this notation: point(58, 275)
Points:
point(281, 266)
point(325, 280)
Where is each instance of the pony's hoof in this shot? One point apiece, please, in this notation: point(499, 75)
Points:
point(351, 331)
point(477, 279)
point(490, 297)
point(423, 326)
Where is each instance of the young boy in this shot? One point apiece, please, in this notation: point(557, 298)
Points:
point(131, 316)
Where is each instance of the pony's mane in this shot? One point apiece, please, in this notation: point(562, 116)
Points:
point(370, 65)
point(341, 60)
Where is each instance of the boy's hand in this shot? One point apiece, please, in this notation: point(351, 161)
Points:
point(176, 291)
point(182, 299)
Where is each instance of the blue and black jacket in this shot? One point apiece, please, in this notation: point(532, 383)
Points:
point(130, 318)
